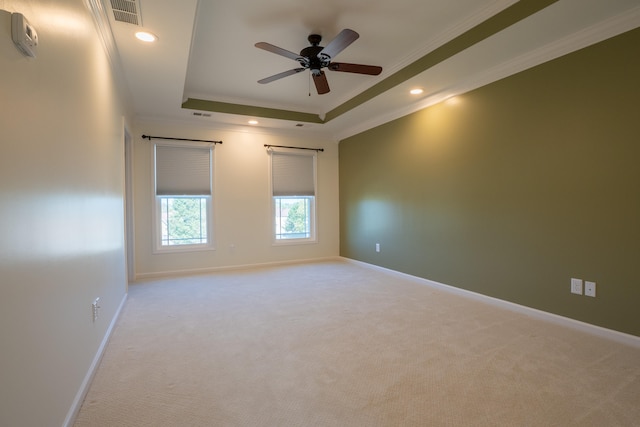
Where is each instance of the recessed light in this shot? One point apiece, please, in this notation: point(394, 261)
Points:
point(146, 36)
point(416, 91)
point(253, 122)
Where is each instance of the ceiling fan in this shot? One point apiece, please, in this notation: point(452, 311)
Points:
point(316, 57)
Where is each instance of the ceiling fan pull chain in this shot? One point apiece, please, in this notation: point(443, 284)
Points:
point(309, 83)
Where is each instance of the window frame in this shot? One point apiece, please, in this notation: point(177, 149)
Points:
point(157, 246)
point(313, 208)
point(311, 220)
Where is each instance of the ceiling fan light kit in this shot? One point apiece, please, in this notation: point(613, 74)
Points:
point(315, 57)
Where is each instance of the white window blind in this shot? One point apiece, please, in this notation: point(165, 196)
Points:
point(183, 171)
point(292, 174)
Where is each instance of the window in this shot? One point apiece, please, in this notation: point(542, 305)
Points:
point(293, 193)
point(183, 220)
point(293, 217)
point(183, 193)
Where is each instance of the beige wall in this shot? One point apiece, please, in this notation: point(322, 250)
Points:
point(242, 204)
point(512, 189)
point(61, 210)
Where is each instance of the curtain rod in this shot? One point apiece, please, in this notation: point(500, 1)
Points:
point(179, 139)
point(295, 148)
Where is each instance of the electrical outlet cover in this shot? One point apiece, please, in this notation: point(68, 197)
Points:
point(590, 289)
point(576, 286)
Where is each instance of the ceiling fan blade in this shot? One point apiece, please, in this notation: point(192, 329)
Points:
point(339, 43)
point(280, 75)
point(371, 70)
point(322, 85)
point(277, 50)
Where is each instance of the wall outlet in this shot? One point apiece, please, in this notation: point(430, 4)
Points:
point(590, 289)
point(576, 286)
point(95, 309)
point(377, 247)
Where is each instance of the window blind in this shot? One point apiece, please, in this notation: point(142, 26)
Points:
point(292, 174)
point(182, 171)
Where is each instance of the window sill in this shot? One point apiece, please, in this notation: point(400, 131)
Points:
point(183, 248)
point(290, 242)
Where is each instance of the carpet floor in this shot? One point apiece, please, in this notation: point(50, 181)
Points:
point(340, 344)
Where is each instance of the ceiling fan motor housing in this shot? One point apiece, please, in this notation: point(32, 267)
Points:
point(310, 58)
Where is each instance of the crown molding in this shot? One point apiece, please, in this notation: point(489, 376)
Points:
point(105, 34)
point(103, 27)
point(213, 125)
point(449, 34)
point(452, 32)
point(596, 33)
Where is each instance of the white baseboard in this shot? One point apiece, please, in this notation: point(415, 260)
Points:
point(84, 387)
point(209, 270)
point(610, 334)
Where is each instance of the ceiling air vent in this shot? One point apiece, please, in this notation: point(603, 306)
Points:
point(126, 11)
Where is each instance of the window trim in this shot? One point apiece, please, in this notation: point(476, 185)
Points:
point(156, 215)
point(313, 239)
point(297, 240)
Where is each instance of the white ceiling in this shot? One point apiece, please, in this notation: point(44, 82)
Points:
point(205, 50)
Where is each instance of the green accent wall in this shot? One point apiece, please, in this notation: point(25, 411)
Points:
point(512, 189)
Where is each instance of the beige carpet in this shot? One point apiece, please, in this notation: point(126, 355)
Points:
point(337, 344)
